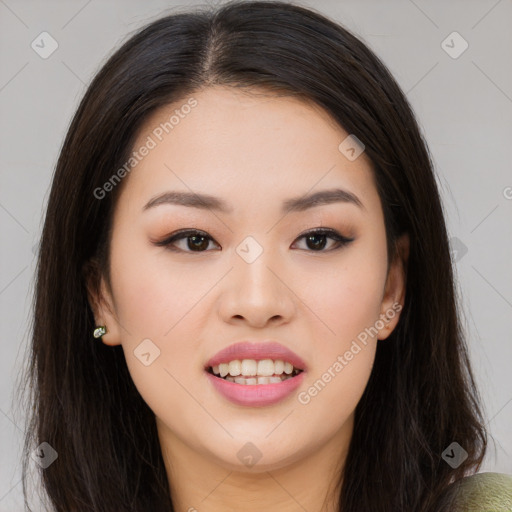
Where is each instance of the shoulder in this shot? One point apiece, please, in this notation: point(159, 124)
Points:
point(482, 492)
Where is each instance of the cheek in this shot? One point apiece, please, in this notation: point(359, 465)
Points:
point(156, 302)
point(347, 301)
point(347, 296)
point(155, 295)
point(334, 391)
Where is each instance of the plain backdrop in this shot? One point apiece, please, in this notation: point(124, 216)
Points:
point(462, 97)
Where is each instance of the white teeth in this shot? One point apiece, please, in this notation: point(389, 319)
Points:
point(278, 367)
point(266, 367)
point(223, 369)
point(251, 381)
point(265, 371)
point(249, 367)
point(235, 368)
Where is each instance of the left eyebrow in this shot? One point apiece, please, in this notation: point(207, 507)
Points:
point(335, 195)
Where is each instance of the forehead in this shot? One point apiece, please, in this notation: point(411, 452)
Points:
point(236, 143)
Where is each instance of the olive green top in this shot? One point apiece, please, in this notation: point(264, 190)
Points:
point(483, 492)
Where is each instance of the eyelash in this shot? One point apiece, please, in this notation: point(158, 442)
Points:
point(186, 233)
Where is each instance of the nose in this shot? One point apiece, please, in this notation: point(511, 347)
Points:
point(257, 293)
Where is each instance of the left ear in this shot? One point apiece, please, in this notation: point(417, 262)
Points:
point(394, 293)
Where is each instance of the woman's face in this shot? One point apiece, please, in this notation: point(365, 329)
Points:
point(250, 274)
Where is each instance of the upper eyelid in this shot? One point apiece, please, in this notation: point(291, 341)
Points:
point(191, 231)
point(185, 233)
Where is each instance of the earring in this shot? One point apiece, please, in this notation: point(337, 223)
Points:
point(99, 331)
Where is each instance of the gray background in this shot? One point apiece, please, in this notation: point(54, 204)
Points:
point(464, 106)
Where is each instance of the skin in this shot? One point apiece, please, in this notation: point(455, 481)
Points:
point(254, 152)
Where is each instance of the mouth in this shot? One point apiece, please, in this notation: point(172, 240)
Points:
point(256, 373)
point(251, 372)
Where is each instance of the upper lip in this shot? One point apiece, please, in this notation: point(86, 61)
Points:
point(267, 349)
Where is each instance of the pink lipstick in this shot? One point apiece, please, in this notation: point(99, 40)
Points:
point(255, 373)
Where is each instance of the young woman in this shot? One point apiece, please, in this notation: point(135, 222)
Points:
point(244, 296)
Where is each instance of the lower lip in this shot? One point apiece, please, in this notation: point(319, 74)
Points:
point(257, 395)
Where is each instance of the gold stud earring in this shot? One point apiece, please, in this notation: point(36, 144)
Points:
point(99, 331)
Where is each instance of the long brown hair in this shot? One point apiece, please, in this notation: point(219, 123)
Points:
point(421, 395)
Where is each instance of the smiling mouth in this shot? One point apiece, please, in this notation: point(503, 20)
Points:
point(250, 372)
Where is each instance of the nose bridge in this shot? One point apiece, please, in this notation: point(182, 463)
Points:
point(252, 262)
point(254, 290)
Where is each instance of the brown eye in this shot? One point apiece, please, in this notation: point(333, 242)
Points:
point(316, 240)
point(197, 241)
